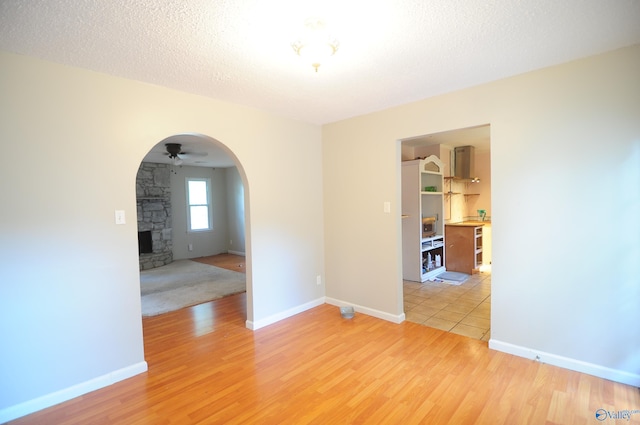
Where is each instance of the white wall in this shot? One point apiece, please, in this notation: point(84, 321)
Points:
point(203, 243)
point(70, 316)
point(228, 233)
point(565, 141)
point(235, 211)
point(459, 207)
point(482, 188)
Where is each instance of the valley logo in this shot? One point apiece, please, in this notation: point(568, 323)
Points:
point(603, 415)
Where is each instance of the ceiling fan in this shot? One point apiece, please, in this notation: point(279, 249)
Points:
point(175, 149)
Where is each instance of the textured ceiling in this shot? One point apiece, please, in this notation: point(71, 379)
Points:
point(391, 52)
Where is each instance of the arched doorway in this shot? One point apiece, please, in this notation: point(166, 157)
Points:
point(166, 215)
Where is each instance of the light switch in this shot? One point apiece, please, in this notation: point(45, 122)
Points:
point(387, 207)
point(120, 217)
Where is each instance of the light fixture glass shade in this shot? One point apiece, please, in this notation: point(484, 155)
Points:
point(316, 45)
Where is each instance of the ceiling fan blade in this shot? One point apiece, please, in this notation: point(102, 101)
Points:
point(194, 154)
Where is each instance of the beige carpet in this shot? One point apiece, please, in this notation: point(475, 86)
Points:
point(185, 283)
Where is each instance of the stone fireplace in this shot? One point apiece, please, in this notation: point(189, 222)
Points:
point(153, 202)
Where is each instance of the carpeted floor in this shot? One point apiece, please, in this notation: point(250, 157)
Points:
point(185, 283)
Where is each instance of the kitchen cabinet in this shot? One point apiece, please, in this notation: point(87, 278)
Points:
point(463, 251)
point(423, 239)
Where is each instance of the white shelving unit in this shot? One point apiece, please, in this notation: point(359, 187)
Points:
point(477, 247)
point(422, 196)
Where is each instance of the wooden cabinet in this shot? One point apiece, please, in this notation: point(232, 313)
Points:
point(423, 255)
point(463, 247)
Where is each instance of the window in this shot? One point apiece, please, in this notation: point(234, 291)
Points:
point(198, 204)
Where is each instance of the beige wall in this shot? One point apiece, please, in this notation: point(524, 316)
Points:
point(69, 283)
point(235, 211)
point(214, 241)
point(459, 207)
point(565, 141)
point(483, 187)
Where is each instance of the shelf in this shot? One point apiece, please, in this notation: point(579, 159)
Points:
point(432, 244)
point(431, 248)
point(460, 179)
point(457, 179)
point(418, 175)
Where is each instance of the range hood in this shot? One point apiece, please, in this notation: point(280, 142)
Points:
point(464, 163)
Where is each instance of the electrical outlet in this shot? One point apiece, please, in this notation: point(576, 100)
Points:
point(190, 247)
point(318, 280)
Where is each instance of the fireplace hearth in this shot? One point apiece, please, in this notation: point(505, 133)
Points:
point(145, 242)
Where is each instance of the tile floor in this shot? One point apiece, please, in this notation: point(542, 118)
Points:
point(464, 309)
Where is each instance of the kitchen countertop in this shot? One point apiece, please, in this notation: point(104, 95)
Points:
point(469, 223)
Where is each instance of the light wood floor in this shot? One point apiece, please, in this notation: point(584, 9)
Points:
point(317, 368)
point(232, 262)
point(464, 309)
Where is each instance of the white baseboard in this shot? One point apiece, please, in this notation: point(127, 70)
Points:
point(236, 253)
point(254, 325)
point(31, 406)
point(299, 309)
point(399, 318)
point(567, 363)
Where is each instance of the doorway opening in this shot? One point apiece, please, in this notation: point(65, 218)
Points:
point(165, 208)
point(457, 300)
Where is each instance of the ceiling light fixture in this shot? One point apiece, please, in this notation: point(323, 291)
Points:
point(316, 45)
